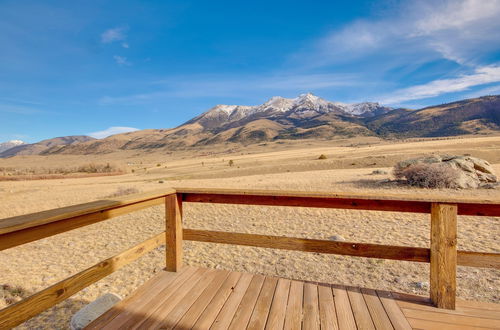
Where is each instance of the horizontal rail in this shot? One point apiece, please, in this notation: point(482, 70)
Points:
point(478, 259)
point(16, 223)
point(310, 245)
point(415, 254)
point(27, 235)
point(18, 313)
point(340, 201)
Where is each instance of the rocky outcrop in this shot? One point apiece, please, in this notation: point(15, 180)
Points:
point(472, 172)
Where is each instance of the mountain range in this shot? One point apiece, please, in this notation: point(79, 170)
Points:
point(10, 144)
point(304, 117)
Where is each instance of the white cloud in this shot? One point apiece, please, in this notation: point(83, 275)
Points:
point(115, 35)
point(111, 131)
point(457, 30)
point(121, 60)
point(481, 76)
point(112, 35)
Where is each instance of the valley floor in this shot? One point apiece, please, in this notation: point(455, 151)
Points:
point(347, 168)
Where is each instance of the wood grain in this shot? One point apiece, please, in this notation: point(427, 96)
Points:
point(277, 313)
point(263, 305)
point(310, 245)
point(378, 313)
point(293, 320)
point(398, 320)
point(478, 259)
point(311, 307)
point(316, 202)
point(246, 307)
point(367, 201)
point(16, 223)
point(189, 319)
point(443, 268)
point(27, 235)
point(327, 314)
point(16, 314)
point(173, 232)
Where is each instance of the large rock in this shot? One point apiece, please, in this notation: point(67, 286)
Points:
point(472, 172)
point(93, 310)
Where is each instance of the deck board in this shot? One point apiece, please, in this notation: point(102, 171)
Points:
point(327, 314)
point(263, 305)
point(247, 305)
point(276, 318)
point(293, 320)
point(200, 298)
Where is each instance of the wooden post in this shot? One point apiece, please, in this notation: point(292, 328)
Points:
point(173, 232)
point(443, 255)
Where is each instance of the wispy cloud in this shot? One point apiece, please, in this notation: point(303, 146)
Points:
point(111, 131)
point(118, 34)
point(112, 35)
point(413, 34)
point(481, 76)
point(458, 30)
point(122, 60)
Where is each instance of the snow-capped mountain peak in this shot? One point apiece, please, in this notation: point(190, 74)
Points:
point(312, 101)
point(303, 106)
point(223, 108)
point(276, 103)
point(366, 108)
point(10, 144)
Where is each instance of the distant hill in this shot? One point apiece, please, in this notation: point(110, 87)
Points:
point(473, 116)
point(44, 146)
point(304, 117)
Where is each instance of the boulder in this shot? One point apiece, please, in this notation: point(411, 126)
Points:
point(93, 310)
point(337, 238)
point(472, 172)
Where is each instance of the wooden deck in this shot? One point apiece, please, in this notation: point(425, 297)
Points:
point(200, 298)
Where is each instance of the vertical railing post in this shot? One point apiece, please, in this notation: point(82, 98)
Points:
point(173, 232)
point(443, 266)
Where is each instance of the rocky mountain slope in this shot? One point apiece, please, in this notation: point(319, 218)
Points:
point(479, 115)
point(304, 117)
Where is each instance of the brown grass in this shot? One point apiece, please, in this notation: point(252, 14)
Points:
point(28, 177)
point(122, 191)
point(39, 264)
point(43, 173)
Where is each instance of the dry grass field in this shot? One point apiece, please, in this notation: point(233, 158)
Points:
point(348, 167)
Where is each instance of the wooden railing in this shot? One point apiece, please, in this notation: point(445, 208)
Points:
point(442, 254)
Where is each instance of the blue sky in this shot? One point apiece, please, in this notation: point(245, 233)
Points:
point(100, 67)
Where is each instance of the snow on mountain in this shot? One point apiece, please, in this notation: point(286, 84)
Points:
point(366, 109)
point(10, 144)
point(304, 105)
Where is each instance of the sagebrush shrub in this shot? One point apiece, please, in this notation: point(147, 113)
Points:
point(122, 191)
point(432, 175)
